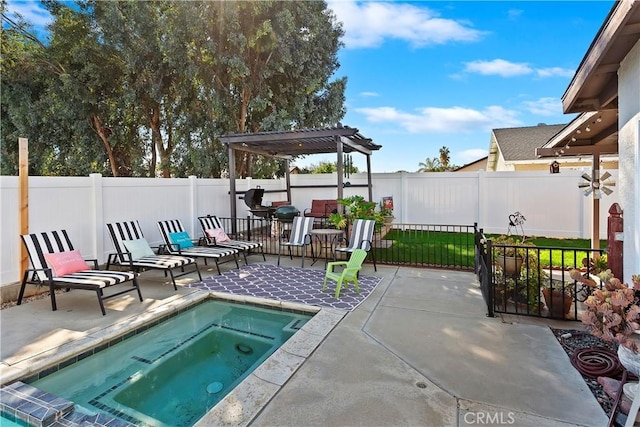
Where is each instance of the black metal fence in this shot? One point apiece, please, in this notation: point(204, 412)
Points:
point(484, 269)
point(425, 245)
point(534, 280)
point(514, 278)
point(419, 245)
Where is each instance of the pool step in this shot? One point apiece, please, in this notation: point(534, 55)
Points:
point(295, 325)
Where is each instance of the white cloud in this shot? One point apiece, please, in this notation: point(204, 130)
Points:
point(504, 68)
point(513, 14)
point(444, 120)
point(369, 94)
point(368, 24)
point(544, 106)
point(554, 71)
point(472, 154)
point(31, 11)
point(498, 67)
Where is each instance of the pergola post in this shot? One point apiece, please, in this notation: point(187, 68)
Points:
point(287, 178)
point(595, 226)
point(232, 185)
point(23, 179)
point(340, 167)
point(370, 185)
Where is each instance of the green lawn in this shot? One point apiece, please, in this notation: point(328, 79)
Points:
point(444, 248)
point(559, 252)
point(429, 248)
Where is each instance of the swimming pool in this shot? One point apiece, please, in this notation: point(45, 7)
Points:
point(173, 373)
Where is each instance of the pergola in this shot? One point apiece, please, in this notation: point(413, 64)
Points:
point(287, 144)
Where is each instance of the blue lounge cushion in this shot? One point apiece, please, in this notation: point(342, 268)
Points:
point(139, 248)
point(182, 239)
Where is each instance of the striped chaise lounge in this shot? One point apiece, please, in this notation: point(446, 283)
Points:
point(134, 252)
point(178, 242)
point(57, 265)
point(212, 227)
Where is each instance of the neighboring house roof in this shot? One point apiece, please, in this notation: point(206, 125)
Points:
point(480, 164)
point(517, 144)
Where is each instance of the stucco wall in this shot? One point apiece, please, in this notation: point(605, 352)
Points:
point(629, 157)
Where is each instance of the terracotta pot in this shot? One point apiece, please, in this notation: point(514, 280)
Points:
point(558, 306)
point(511, 265)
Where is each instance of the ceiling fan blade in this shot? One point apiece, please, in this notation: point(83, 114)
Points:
point(588, 191)
point(597, 194)
point(584, 185)
point(605, 176)
point(607, 190)
point(609, 183)
point(586, 176)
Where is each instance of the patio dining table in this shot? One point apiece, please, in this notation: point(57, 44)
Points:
point(327, 238)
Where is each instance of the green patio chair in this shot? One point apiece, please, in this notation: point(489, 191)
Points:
point(348, 274)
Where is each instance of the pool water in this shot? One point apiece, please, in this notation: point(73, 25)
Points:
point(7, 420)
point(173, 373)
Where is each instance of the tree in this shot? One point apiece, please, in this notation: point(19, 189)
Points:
point(123, 87)
point(444, 158)
point(438, 164)
point(429, 165)
point(329, 167)
point(271, 66)
point(60, 96)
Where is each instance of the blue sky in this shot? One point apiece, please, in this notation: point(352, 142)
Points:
point(427, 74)
point(422, 75)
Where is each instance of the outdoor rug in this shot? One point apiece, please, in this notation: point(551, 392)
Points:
point(301, 285)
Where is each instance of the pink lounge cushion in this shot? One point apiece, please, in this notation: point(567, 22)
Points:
point(218, 234)
point(64, 263)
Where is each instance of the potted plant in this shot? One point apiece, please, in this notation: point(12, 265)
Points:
point(517, 276)
point(510, 254)
point(557, 299)
point(338, 220)
point(356, 207)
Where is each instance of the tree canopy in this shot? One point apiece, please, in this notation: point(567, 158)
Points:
point(329, 167)
point(438, 164)
point(144, 88)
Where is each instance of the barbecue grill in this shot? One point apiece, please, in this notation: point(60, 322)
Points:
point(286, 213)
point(253, 199)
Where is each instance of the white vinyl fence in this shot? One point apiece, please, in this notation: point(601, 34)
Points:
point(552, 204)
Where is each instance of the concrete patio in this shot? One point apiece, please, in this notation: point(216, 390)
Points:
point(419, 351)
